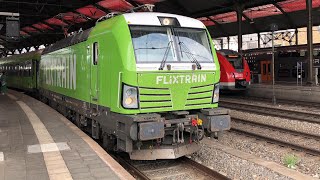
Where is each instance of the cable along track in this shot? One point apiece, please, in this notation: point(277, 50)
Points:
point(272, 111)
point(181, 168)
point(308, 143)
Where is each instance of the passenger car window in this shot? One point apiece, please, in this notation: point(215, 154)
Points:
point(95, 53)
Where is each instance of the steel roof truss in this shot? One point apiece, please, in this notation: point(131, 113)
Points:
point(219, 26)
point(290, 20)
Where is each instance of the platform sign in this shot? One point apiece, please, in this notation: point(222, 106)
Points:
point(12, 29)
point(316, 62)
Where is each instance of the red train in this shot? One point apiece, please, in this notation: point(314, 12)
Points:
point(235, 72)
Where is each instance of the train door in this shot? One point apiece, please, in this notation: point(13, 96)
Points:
point(265, 71)
point(35, 73)
point(94, 74)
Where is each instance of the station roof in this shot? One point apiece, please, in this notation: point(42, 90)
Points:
point(46, 21)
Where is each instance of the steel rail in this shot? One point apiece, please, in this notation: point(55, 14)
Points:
point(305, 149)
point(269, 111)
point(212, 173)
point(130, 168)
point(279, 101)
point(293, 132)
point(207, 172)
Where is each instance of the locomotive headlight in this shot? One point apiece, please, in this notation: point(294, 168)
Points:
point(166, 21)
point(169, 21)
point(215, 97)
point(129, 101)
point(130, 97)
point(129, 91)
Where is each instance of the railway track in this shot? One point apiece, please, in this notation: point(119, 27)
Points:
point(280, 101)
point(308, 143)
point(182, 168)
point(299, 104)
point(272, 111)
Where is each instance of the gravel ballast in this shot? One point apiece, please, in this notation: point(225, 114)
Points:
point(307, 164)
point(232, 166)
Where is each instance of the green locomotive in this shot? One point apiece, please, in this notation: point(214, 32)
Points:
point(145, 83)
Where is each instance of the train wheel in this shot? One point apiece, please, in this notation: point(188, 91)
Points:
point(77, 121)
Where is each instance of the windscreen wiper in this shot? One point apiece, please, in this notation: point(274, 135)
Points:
point(165, 56)
point(189, 54)
point(152, 48)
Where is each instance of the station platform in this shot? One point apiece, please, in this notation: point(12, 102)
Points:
point(286, 92)
point(38, 143)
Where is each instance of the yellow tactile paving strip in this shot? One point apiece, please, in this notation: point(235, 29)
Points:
point(116, 167)
point(56, 167)
point(53, 160)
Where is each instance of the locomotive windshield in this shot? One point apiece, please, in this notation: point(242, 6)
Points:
point(151, 43)
point(236, 61)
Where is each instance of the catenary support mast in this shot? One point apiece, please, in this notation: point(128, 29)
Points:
point(310, 43)
point(239, 21)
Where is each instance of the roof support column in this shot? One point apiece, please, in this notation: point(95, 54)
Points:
point(228, 39)
point(297, 39)
point(309, 43)
point(221, 43)
point(259, 37)
point(239, 21)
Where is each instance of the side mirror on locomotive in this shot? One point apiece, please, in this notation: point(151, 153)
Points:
point(234, 69)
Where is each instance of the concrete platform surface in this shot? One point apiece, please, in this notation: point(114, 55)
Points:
point(38, 143)
point(286, 92)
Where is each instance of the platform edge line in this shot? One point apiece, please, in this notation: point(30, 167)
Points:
point(45, 137)
point(104, 156)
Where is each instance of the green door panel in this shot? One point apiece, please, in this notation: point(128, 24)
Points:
point(94, 73)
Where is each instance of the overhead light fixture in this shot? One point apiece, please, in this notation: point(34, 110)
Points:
point(9, 14)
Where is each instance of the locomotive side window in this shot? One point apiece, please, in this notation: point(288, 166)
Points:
point(95, 53)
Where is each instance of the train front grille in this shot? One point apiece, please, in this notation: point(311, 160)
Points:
point(155, 98)
point(200, 95)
